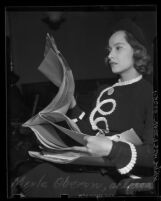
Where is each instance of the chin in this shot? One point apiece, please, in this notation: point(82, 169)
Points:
point(116, 71)
point(119, 70)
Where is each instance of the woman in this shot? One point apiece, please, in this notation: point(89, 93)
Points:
point(123, 106)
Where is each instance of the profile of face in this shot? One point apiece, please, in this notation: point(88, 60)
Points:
point(120, 54)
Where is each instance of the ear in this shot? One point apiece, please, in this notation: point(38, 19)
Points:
point(137, 52)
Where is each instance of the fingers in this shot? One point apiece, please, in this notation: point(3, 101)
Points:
point(90, 138)
point(80, 148)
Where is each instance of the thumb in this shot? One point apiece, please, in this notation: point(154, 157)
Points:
point(86, 137)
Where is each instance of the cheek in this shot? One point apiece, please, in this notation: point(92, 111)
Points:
point(128, 59)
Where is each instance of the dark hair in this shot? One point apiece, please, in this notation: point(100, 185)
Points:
point(142, 60)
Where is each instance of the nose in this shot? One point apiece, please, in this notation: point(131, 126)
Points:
point(110, 55)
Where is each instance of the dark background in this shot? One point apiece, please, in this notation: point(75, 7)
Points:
point(81, 36)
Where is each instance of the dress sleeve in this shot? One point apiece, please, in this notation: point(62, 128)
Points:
point(122, 154)
point(80, 117)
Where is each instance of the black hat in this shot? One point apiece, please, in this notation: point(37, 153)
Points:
point(131, 27)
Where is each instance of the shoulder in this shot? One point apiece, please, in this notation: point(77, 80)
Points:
point(146, 92)
point(147, 84)
point(102, 89)
point(146, 87)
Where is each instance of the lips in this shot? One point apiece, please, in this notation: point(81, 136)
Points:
point(112, 63)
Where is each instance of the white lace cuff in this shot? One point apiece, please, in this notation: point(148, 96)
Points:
point(132, 162)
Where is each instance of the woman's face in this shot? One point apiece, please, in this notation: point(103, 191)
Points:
point(121, 54)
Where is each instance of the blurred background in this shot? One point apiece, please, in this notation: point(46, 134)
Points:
point(81, 36)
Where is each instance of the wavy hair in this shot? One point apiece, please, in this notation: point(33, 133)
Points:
point(142, 60)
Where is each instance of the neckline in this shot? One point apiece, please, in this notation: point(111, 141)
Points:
point(128, 82)
point(119, 83)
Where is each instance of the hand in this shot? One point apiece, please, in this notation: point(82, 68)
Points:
point(73, 103)
point(96, 146)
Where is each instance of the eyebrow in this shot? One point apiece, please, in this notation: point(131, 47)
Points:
point(119, 43)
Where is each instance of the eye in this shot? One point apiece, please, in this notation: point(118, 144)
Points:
point(118, 48)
